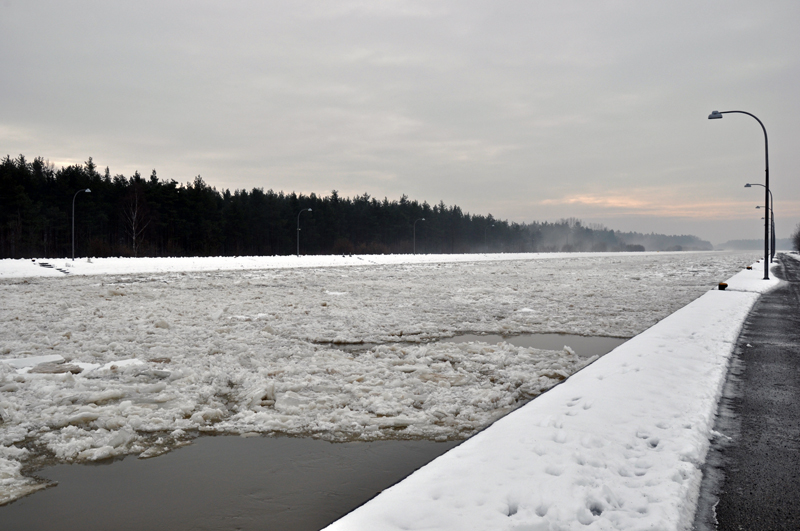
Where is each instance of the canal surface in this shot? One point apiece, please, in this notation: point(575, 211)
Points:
point(585, 346)
point(221, 483)
point(230, 482)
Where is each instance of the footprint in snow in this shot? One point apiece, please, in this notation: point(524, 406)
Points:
point(590, 441)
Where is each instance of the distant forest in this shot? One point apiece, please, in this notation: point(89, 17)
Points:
point(138, 216)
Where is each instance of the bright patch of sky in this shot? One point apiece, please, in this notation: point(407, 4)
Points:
point(526, 110)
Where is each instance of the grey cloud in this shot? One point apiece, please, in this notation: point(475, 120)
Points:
point(469, 102)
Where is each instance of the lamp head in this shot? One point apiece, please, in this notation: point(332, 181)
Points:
point(88, 191)
point(309, 210)
point(748, 185)
point(422, 219)
point(714, 115)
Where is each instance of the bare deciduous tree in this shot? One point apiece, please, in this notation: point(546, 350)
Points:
point(136, 215)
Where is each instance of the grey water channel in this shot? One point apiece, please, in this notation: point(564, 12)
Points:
point(585, 346)
point(221, 483)
point(235, 483)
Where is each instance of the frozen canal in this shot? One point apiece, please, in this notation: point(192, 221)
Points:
point(152, 358)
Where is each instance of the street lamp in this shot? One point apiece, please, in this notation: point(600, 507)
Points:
point(415, 234)
point(298, 229)
point(771, 234)
point(716, 115)
point(484, 235)
point(772, 224)
point(73, 219)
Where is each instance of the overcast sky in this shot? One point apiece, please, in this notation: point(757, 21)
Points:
point(528, 110)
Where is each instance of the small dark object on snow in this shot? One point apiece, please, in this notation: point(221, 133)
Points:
point(722, 286)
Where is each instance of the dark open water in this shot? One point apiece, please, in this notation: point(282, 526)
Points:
point(221, 483)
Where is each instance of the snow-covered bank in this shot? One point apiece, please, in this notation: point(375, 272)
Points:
point(56, 267)
point(151, 358)
point(117, 266)
point(617, 446)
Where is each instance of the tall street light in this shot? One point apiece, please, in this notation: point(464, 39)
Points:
point(717, 114)
point(771, 239)
point(73, 220)
point(485, 229)
point(772, 214)
point(415, 234)
point(771, 234)
point(298, 229)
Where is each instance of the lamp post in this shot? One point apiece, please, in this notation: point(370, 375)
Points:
point(772, 219)
point(415, 234)
point(771, 241)
point(716, 115)
point(298, 229)
point(771, 234)
point(485, 230)
point(73, 219)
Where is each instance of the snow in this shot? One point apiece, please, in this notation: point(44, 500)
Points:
point(134, 356)
point(618, 445)
point(114, 266)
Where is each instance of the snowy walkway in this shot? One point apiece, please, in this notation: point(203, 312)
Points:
point(617, 446)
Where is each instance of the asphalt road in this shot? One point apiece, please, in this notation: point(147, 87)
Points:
point(759, 488)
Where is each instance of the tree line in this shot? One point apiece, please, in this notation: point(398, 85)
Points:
point(147, 216)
